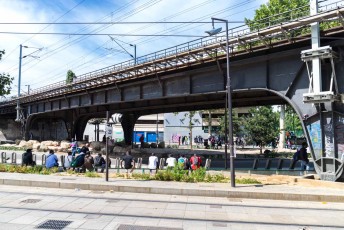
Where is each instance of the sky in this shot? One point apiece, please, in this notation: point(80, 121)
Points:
point(48, 57)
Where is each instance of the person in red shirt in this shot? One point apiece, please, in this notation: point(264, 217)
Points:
point(195, 162)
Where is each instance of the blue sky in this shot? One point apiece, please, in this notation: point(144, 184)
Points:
point(83, 54)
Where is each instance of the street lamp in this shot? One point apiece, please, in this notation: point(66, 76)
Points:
point(228, 97)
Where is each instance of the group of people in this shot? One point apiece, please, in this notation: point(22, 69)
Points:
point(193, 163)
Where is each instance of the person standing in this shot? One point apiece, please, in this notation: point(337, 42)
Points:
point(304, 158)
point(51, 160)
point(142, 139)
point(153, 163)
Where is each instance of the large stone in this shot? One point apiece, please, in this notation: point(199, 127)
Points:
point(55, 143)
point(36, 145)
point(22, 144)
point(118, 149)
point(33, 142)
point(65, 144)
point(47, 143)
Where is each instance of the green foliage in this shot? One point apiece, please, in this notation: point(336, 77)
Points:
point(27, 169)
point(262, 125)
point(13, 148)
point(153, 145)
point(236, 122)
point(247, 181)
point(5, 80)
point(277, 11)
point(91, 174)
point(161, 145)
point(292, 120)
point(70, 76)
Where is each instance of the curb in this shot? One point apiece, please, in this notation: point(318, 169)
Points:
point(175, 191)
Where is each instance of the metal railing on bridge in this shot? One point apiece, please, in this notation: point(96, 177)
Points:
point(242, 40)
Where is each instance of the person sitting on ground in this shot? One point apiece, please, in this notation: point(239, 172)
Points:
point(129, 162)
point(74, 147)
point(183, 162)
point(27, 158)
point(51, 160)
point(195, 162)
point(99, 162)
point(79, 160)
point(68, 160)
point(171, 161)
point(88, 162)
point(153, 163)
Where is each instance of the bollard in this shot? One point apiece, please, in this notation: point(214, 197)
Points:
point(34, 158)
point(14, 158)
point(162, 163)
point(3, 157)
point(280, 164)
point(255, 163)
point(268, 164)
point(207, 163)
point(62, 157)
point(139, 163)
point(44, 158)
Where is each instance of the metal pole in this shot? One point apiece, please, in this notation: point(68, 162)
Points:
point(106, 148)
point(229, 99)
point(19, 82)
point(28, 89)
point(157, 129)
point(135, 54)
point(226, 132)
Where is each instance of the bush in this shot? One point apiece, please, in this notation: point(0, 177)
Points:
point(146, 145)
point(153, 145)
point(91, 174)
point(161, 145)
point(120, 143)
point(27, 169)
point(247, 181)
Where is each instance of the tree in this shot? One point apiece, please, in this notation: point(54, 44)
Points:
point(292, 120)
point(191, 120)
point(5, 80)
point(277, 11)
point(236, 121)
point(70, 76)
point(262, 125)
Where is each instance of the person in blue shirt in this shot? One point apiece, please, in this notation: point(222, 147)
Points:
point(51, 160)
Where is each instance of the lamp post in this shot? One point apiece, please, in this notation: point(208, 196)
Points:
point(229, 98)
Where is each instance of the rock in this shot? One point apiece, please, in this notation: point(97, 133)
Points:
point(36, 146)
point(22, 144)
point(33, 142)
point(47, 143)
point(55, 143)
point(65, 144)
point(118, 149)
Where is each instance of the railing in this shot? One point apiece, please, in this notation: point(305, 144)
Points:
point(186, 53)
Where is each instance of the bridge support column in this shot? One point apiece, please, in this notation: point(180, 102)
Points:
point(128, 124)
point(326, 136)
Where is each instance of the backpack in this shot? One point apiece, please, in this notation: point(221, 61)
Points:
point(97, 161)
point(78, 161)
point(296, 155)
point(181, 160)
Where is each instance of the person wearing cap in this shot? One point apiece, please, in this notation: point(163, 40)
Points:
point(27, 158)
point(51, 160)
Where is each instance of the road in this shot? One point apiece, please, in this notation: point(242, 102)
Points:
point(30, 208)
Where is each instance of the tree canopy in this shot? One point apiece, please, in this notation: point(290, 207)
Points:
point(262, 125)
point(70, 76)
point(5, 80)
point(277, 11)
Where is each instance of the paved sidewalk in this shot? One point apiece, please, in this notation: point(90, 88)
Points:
point(324, 191)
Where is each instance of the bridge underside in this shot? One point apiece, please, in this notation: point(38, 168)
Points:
point(269, 77)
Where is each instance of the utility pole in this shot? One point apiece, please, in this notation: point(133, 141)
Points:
point(28, 89)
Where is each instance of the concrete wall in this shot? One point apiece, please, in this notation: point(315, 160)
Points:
point(9, 130)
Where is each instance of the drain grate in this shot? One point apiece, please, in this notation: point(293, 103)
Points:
point(138, 227)
point(54, 224)
point(215, 206)
point(30, 201)
point(220, 225)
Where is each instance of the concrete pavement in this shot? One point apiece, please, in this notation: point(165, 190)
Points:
point(294, 189)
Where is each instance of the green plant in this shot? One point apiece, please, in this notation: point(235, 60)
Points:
point(91, 174)
point(12, 148)
point(161, 145)
point(247, 181)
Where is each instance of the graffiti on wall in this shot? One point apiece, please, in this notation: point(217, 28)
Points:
point(314, 131)
point(340, 137)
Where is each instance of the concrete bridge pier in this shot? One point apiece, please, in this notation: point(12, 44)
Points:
point(128, 124)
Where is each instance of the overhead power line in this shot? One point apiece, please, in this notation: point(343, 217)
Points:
point(102, 34)
point(108, 23)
